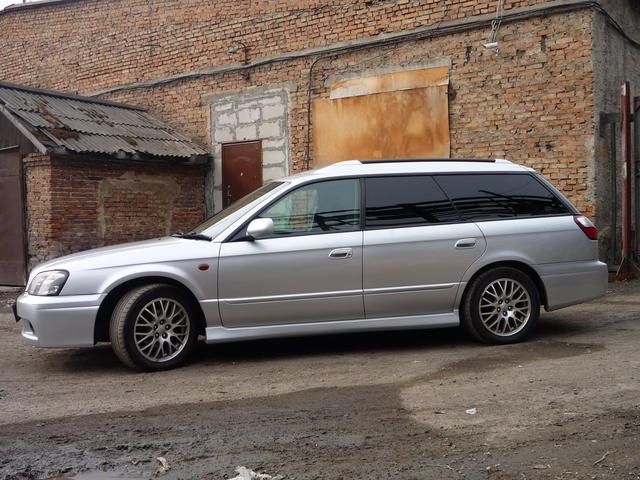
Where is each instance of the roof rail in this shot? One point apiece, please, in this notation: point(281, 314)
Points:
point(408, 160)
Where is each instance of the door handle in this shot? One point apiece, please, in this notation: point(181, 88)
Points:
point(466, 243)
point(340, 253)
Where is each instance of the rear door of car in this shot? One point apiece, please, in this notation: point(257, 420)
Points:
point(416, 248)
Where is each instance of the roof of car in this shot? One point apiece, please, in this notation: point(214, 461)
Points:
point(410, 166)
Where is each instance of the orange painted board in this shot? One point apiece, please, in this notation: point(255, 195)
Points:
point(399, 124)
point(391, 82)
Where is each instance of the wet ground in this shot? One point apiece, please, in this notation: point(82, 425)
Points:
point(565, 405)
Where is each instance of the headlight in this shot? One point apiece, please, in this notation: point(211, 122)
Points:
point(48, 283)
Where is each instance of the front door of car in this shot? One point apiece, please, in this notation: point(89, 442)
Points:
point(308, 270)
point(416, 250)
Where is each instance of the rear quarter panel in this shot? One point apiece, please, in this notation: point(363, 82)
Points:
point(535, 241)
point(551, 246)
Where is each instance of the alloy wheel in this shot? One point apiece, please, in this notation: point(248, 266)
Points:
point(505, 307)
point(161, 330)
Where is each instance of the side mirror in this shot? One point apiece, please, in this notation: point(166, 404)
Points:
point(260, 228)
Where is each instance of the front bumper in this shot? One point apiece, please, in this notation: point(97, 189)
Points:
point(61, 321)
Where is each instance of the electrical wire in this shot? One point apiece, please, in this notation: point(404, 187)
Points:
point(614, 23)
point(495, 23)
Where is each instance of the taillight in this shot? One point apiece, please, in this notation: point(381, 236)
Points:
point(586, 226)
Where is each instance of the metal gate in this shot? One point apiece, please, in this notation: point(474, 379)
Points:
point(12, 244)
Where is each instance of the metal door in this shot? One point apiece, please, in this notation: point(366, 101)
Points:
point(417, 271)
point(313, 278)
point(241, 170)
point(309, 270)
point(12, 246)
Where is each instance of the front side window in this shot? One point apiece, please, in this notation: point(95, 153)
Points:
point(495, 196)
point(220, 221)
point(323, 207)
point(410, 201)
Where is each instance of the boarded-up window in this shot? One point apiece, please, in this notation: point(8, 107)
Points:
point(394, 115)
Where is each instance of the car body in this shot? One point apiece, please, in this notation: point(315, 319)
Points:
point(350, 247)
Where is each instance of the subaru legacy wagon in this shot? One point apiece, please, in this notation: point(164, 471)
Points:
point(355, 246)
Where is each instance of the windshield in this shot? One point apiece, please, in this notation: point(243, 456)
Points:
point(213, 226)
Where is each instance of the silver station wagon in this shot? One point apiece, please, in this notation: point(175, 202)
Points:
point(354, 246)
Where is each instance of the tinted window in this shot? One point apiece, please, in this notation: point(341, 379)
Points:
point(406, 202)
point(487, 197)
point(332, 206)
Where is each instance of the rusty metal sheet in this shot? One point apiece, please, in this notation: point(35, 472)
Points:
point(391, 82)
point(12, 248)
point(400, 124)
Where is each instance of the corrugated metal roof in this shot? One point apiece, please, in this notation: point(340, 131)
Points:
point(87, 125)
point(33, 4)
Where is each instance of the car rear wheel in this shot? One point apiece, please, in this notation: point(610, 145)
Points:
point(153, 327)
point(501, 306)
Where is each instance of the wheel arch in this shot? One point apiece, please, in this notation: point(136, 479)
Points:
point(523, 267)
point(103, 317)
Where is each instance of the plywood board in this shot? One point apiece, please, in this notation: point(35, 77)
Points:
point(399, 124)
point(390, 82)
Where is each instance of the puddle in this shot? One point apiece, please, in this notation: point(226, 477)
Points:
point(113, 475)
point(509, 356)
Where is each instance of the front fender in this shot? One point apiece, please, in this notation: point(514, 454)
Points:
point(203, 285)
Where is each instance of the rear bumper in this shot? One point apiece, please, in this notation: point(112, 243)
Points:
point(573, 282)
point(63, 321)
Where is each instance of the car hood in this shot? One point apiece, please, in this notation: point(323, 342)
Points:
point(164, 249)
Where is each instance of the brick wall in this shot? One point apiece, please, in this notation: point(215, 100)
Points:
point(37, 175)
point(533, 103)
point(90, 44)
point(74, 205)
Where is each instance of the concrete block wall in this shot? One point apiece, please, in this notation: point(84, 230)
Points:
point(615, 61)
point(251, 114)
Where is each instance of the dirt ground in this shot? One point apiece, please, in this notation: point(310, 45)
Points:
point(564, 405)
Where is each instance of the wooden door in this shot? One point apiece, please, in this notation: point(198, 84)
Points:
point(241, 170)
point(12, 245)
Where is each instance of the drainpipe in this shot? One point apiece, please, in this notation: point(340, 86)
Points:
point(636, 155)
point(613, 165)
point(626, 170)
point(627, 265)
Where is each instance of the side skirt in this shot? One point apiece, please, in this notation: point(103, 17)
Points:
point(223, 335)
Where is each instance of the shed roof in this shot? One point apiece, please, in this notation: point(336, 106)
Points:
point(32, 4)
point(65, 123)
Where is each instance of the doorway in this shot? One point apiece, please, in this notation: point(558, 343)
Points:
point(12, 245)
point(241, 170)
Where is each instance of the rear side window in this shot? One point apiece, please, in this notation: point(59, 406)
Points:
point(408, 201)
point(496, 196)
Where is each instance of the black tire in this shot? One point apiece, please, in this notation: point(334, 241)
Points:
point(470, 309)
point(123, 325)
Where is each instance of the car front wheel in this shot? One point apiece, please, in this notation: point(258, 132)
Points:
point(153, 327)
point(501, 306)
